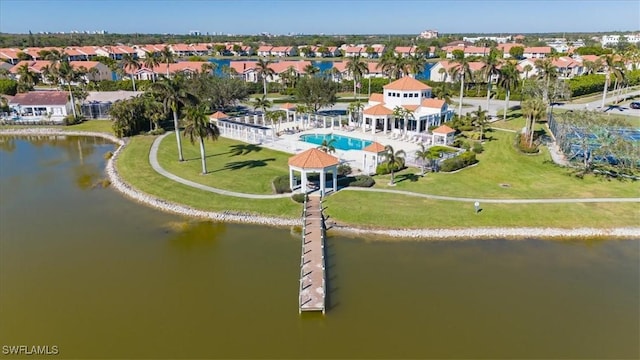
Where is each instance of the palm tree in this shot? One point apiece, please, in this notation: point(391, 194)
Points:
point(415, 64)
point(461, 71)
point(174, 94)
point(167, 57)
point(327, 146)
point(526, 69)
point(68, 75)
point(132, 64)
point(394, 160)
point(311, 70)
point(547, 72)
point(354, 109)
point(422, 154)
point(199, 126)
point(26, 76)
point(356, 67)
point(151, 62)
point(264, 104)
point(532, 109)
point(509, 78)
point(480, 120)
point(400, 112)
point(392, 65)
point(208, 67)
point(264, 72)
point(489, 69)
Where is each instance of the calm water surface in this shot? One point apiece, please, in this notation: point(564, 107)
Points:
point(101, 277)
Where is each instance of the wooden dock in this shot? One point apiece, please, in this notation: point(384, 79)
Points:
point(312, 262)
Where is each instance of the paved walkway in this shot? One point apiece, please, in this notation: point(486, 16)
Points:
point(153, 159)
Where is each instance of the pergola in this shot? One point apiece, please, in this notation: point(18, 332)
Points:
point(218, 115)
point(375, 114)
point(443, 135)
point(313, 161)
point(373, 153)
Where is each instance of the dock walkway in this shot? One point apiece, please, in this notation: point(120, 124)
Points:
point(312, 262)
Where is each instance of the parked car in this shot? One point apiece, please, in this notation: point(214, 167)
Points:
point(635, 105)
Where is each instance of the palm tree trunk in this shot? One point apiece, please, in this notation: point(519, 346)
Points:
point(264, 85)
point(73, 103)
point(531, 135)
point(461, 95)
point(167, 69)
point(507, 105)
point(203, 157)
point(392, 176)
point(488, 93)
point(177, 130)
point(606, 86)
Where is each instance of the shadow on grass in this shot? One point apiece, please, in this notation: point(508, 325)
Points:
point(248, 164)
point(208, 156)
point(404, 177)
point(243, 149)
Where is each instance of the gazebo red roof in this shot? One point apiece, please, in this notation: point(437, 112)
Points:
point(443, 129)
point(219, 115)
point(288, 106)
point(375, 147)
point(313, 159)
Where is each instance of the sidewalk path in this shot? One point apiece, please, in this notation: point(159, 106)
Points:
point(153, 159)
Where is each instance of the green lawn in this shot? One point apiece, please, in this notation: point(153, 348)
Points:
point(377, 210)
point(231, 165)
point(103, 126)
point(527, 176)
point(133, 165)
point(393, 210)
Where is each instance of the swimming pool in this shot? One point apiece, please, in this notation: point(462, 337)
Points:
point(341, 142)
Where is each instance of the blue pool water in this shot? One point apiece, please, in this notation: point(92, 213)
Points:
point(341, 142)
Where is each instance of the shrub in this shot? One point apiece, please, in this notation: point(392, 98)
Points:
point(523, 145)
point(461, 161)
point(344, 169)
point(363, 181)
point(108, 155)
point(281, 184)
point(158, 131)
point(298, 197)
point(8, 87)
point(384, 169)
point(72, 120)
point(477, 148)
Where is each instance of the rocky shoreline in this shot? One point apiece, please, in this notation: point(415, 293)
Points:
point(228, 216)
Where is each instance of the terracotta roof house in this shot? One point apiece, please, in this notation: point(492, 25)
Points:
point(10, 55)
point(41, 105)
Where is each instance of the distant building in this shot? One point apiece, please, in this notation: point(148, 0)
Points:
point(195, 33)
point(428, 34)
point(613, 40)
point(498, 39)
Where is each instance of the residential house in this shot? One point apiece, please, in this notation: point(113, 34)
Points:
point(184, 67)
point(41, 105)
point(116, 52)
point(10, 55)
point(442, 71)
point(284, 51)
point(405, 51)
point(567, 67)
point(537, 52)
point(353, 51)
point(142, 50)
point(264, 50)
point(428, 34)
point(101, 72)
point(409, 94)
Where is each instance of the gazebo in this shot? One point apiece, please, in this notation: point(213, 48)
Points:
point(290, 109)
point(313, 161)
point(375, 114)
point(443, 135)
point(218, 115)
point(373, 153)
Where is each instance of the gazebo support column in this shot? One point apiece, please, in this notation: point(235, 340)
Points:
point(335, 179)
point(323, 180)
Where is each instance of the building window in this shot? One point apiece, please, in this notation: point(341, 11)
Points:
point(404, 95)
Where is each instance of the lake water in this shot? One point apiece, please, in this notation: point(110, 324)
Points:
point(99, 276)
point(322, 65)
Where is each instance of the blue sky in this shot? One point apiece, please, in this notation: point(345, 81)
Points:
point(315, 17)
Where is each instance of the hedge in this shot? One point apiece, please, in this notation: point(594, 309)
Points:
point(461, 161)
point(363, 181)
point(384, 169)
point(281, 184)
point(594, 83)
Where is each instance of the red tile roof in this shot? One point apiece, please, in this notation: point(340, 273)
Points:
point(288, 106)
point(375, 147)
point(40, 98)
point(406, 84)
point(377, 97)
point(432, 103)
point(219, 115)
point(443, 129)
point(378, 110)
point(313, 159)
